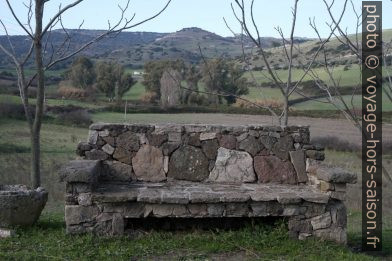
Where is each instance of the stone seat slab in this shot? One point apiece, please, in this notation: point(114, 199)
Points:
point(185, 192)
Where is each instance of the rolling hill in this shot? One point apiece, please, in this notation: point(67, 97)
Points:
point(133, 49)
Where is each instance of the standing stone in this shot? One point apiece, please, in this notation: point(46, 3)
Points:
point(148, 164)
point(127, 144)
point(299, 162)
point(271, 169)
point(188, 163)
point(233, 166)
point(170, 88)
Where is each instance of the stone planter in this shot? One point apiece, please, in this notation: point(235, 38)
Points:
point(20, 206)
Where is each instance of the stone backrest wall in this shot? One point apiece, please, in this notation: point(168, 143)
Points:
point(202, 153)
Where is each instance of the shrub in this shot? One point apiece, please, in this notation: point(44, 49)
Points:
point(68, 92)
point(13, 148)
point(149, 97)
point(196, 99)
point(336, 143)
point(12, 110)
point(272, 103)
point(80, 118)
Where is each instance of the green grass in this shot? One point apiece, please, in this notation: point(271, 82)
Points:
point(58, 144)
point(47, 241)
point(357, 101)
point(136, 92)
point(5, 98)
point(54, 138)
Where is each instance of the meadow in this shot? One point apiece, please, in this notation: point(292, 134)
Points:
point(47, 239)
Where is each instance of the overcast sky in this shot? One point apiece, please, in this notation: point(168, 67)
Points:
point(206, 14)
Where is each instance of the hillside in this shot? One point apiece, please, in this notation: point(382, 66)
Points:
point(135, 48)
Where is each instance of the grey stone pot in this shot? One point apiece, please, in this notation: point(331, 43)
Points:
point(20, 206)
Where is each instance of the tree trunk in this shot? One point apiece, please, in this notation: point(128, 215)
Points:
point(117, 93)
point(36, 129)
point(285, 116)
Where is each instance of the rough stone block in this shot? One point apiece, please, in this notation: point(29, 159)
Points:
point(298, 161)
point(75, 215)
point(322, 221)
point(272, 169)
point(315, 154)
point(116, 171)
point(232, 166)
point(336, 234)
point(335, 174)
point(251, 145)
point(326, 186)
point(81, 171)
point(108, 149)
point(210, 148)
point(228, 142)
point(188, 163)
point(96, 155)
point(148, 164)
point(85, 199)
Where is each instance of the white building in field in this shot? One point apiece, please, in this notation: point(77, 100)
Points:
point(138, 73)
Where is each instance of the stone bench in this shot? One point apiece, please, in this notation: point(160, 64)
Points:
point(128, 172)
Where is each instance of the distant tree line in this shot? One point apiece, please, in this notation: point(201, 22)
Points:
point(197, 82)
point(108, 78)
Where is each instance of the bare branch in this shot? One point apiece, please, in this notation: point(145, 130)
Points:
point(58, 14)
point(17, 19)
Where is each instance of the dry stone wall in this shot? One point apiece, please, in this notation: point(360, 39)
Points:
point(226, 154)
point(131, 171)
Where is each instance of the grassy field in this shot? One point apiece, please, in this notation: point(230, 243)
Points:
point(48, 241)
point(5, 98)
point(357, 101)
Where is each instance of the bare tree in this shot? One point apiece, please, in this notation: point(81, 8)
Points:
point(332, 87)
point(245, 16)
point(44, 59)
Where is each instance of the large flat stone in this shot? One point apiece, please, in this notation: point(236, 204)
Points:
point(188, 163)
point(81, 171)
point(233, 166)
point(271, 169)
point(182, 192)
point(148, 164)
point(335, 174)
